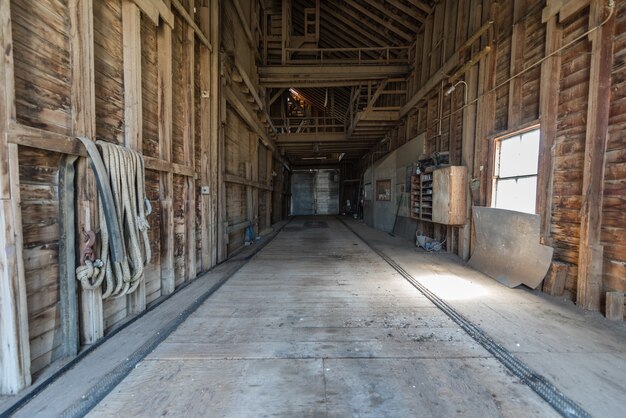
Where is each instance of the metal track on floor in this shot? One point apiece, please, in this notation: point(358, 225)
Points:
point(539, 384)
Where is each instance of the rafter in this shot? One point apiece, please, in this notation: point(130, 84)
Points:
point(378, 19)
point(394, 16)
point(357, 23)
point(407, 10)
point(422, 6)
point(351, 31)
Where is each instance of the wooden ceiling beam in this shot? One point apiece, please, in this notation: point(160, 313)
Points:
point(369, 33)
point(407, 10)
point(346, 33)
point(326, 76)
point(374, 17)
point(422, 6)
point(311, 137)
point(357, 23)
point(403, 21)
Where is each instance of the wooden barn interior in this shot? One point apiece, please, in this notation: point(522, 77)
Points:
point(312, 208)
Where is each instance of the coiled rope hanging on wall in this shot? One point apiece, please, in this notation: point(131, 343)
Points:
point(125, 169)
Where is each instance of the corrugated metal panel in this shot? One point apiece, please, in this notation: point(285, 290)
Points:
point(327, 192)
point(302, 193)
point(315, 193)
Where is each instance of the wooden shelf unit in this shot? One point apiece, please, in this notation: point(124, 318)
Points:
point(440, 196)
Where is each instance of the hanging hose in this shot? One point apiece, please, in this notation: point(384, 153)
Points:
point(125, 170)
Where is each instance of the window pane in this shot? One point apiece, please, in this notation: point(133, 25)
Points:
point(516, 194)
point(519, 155)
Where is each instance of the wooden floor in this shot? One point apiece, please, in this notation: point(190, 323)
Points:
point(317, 324)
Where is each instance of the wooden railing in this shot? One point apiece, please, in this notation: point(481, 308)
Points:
point(383, 55)
point(307, 125)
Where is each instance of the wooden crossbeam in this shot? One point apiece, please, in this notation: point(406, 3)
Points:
point(407, 10)
point(403, 21)
point(422, 6)
point(155, 9)
point(244, 24)
point(190, 21)
point(331, 75)
point(357, 24)
point(372, 16)
point(368, 108)
point(429, 85)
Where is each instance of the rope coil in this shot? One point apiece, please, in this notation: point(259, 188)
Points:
point(126, 176)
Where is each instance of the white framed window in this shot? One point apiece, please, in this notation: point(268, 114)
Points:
point(515, 172)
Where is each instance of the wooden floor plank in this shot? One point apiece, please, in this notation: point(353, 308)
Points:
point(317, 324)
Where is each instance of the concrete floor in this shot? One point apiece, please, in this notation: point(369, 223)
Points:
point(317, 324)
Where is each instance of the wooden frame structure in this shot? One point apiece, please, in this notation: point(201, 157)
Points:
point(224, 98)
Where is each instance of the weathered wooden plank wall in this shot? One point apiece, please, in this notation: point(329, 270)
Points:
point(248, 156)
point(146, 75)
point(570, 148)
point(506, 89)
point(42, 88)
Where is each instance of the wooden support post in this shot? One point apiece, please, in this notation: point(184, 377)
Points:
point(164, 74)
point(214, 127)
point(486, 116)
point(133, 122)
point(84, 124)
point(615, 306)
point(218, 111)
point(189, 151)
point(249, 189)
point(268, 193)
point(254, 158)
point(517, 63)
point(205, 143)
point(15, 346)
point(468, 140)
point(286, 30)
point(590, 258)
point(223, 211)
point(83, 98)
point(548, 108)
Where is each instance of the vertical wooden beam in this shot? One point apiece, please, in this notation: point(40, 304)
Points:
point(218, 111)
point(131, 40)
point(268, 193)
point(486, 110)
point(517, 63)
point(133, 118)
point(428, 36)
point(83, 98)
point(84, 124)
point(14, 337)
point(205, 142)
point(249, 189)
point(286, 30)
point(214, 126)
point(164, 75)
point(317, 22)
point(189, 150)
point(254, 158)
point(469, 130)
point(548, 109)
point(590, 258)
point(223, 210)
